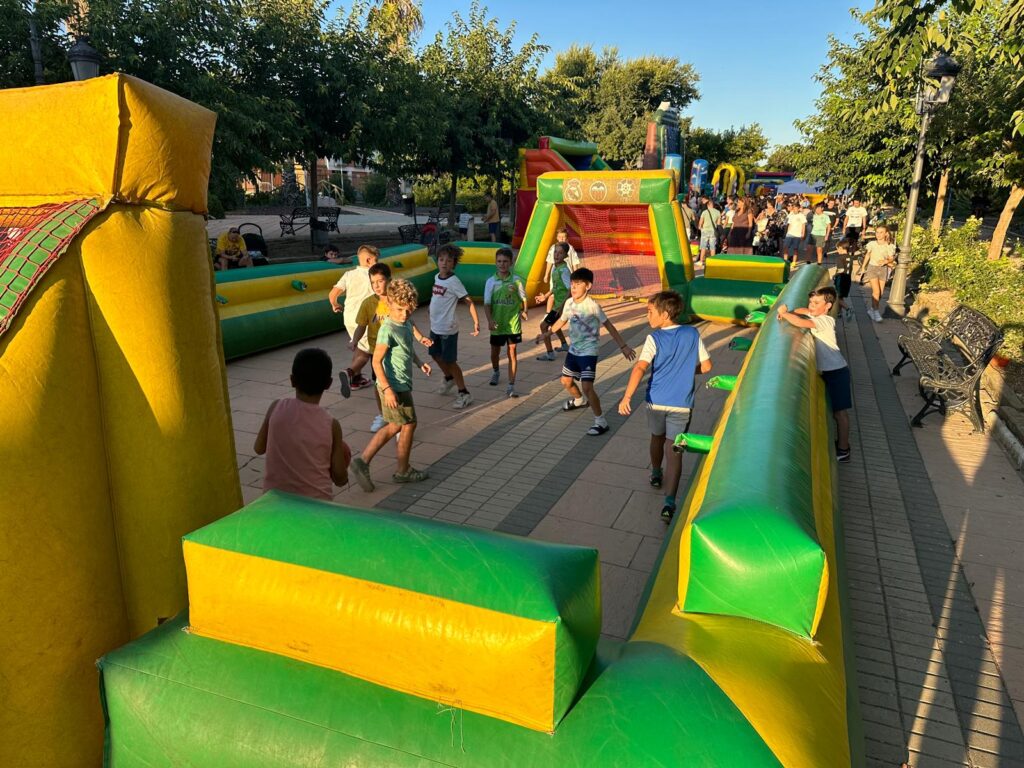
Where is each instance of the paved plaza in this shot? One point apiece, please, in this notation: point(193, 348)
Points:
point(932, 516)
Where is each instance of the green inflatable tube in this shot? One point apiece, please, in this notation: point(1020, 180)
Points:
point(728, 383)
point(692, 443)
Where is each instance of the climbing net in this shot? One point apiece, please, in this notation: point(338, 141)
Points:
point(618, 248)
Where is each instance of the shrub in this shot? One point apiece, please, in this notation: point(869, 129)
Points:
point(376, 190)
point(956, 262)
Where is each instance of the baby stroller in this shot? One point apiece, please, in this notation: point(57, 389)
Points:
point(255, 244)
point(769, 243)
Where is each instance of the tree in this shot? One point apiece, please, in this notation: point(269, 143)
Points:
point(491, 98)
point(570, 89)
point(16, 60)
point(743, 147)
point(784, 157)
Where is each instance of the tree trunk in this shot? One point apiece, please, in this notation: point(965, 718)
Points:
point(940, 202)
point(452, 219)
point(995, 248)
point(312, 186)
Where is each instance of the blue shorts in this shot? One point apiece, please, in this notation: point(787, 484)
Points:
point(837, 385)
point(582, 367)
point(444, 348)
point(493, 227)
point(708, 241)
point(792, 243)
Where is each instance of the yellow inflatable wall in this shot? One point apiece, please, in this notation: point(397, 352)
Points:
point(114, 413)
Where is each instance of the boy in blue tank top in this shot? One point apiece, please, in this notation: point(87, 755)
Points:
point(674, 354)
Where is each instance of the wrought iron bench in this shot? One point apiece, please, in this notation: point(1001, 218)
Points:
point(299, 218)
point(946, 382)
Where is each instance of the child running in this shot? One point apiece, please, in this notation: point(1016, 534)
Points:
point(372, 313)
point(584, 317)
point(444, 327)
point(302, 441)
point(674, 354)
point(879, 256)
point(558, 292)
point(355, 284)
point(393, 358)
point(831, 363)
point(505, 306)
point(843, 277)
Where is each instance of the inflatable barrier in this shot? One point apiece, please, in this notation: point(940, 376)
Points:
point(757, 675)
point(476, 265)
point(266, 307)
point(113, 402)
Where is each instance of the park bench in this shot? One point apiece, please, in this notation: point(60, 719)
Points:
point(950, 358)
point(299, 218)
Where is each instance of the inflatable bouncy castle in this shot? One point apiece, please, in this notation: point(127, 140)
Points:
point(114, 413)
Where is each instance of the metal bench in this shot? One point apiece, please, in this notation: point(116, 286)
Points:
point(946, 382)
point(299, 219)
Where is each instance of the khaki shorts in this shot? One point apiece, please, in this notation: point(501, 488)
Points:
point(668, 422)
point(880, 272)
point(403, 413)
point(364, 343)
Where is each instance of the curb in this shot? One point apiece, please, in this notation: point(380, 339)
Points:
point(1007, 439)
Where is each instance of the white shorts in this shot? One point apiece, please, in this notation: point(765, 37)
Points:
point(663, 420)
point(364, 343)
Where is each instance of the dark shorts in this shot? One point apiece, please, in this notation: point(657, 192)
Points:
point(853, 233)
point(583, 367)
point(404, 413)
point(501, 339)
point(792, 243)
point(493, 227)
point(551, 317)
point(444, 348)
point(837, 385)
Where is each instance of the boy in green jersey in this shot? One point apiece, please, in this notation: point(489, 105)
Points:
point(393, 358)
point(558, 292)
point(505, 305)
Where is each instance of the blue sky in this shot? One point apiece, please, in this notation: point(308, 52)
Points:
point(756, 58)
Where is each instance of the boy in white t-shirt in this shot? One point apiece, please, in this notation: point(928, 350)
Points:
point(831, 363)
point(584, 317)
point(444, 327)
point(856, 219)
point(572, 259)
point(796, 228)
point(355, 284)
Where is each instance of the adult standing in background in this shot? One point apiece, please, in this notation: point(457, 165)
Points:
point(493, 216)
point(741, 234)
point(708, 229)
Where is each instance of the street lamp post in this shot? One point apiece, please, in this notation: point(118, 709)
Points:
point(944, 69)
point(84, 60)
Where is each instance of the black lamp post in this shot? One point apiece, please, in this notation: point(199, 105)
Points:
point(943, 68)
point(84, 60)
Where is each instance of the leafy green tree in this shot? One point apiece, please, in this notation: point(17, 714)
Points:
point(784, 157)
point(490, 95)
point(743, 147)
point(16, 60)
point(570, 88)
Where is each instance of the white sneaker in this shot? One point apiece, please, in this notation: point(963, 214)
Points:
point(876, 315)
point(462, 400)
point(378, 422)
point(510, 391)
point(447, 387)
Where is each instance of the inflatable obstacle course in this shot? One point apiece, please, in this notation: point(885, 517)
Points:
point(113, 402)
point(761, 679)
point(266, 307)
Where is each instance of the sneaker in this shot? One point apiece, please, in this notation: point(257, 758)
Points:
point(361, 472)
point(377, 424)
point(597, 429)
point(360, 382)
point(876, 316)
point(842, 456)
point(510, 391)
point(563, 348)
point(462, 400)
point(495, 377)
point(656, 477)
point(345, 384)
point(447, 387)
point(668, 512)
point(412, 476)
point(547, 356)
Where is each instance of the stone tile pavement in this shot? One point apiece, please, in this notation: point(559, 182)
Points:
point(932, 518)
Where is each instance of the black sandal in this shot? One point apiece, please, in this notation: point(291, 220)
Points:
point(570, 404)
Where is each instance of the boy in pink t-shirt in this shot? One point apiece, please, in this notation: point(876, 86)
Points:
point(302, 441)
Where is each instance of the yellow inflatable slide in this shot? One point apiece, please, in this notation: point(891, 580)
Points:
point(113, 410)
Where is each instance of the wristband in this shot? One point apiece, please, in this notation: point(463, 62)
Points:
point(386, 388)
